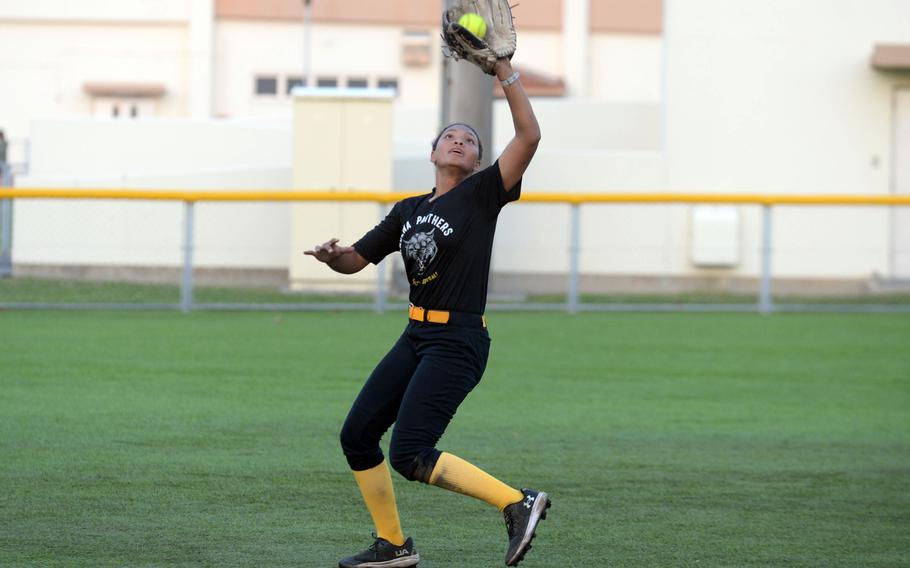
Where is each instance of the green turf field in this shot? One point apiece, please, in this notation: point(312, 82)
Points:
point(158, 439)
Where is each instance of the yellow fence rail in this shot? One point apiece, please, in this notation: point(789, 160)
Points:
point(392, 197)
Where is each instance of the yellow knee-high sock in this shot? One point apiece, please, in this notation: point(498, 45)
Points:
point(455, 474)
point(379, 495)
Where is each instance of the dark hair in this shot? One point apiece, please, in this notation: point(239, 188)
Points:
point(469, 127)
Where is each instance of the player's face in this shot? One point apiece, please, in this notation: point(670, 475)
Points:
point(458, 147)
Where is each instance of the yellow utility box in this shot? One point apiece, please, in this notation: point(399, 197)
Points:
point(342, 143)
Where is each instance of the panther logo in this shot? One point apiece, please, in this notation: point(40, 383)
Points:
point(422, 248)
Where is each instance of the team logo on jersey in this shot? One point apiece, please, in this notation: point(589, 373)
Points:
point(422, 248)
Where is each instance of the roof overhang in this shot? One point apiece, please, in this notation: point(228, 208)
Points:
point(116, 89)
point(891, 57)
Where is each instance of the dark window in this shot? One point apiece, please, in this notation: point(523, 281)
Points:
point(388, 84)
point(267, 85)
point(327, 82)
point(115, 111)
point(357, 83)
point(295, 82)
point(134, 111)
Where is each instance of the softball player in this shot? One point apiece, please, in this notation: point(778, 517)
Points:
point(446, 239)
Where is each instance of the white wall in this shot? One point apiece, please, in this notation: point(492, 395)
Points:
point(161, 154)
point(774, 96)
point(625, 68)
point(540, 51)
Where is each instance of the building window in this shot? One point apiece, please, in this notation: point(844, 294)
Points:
point(266, 85)
point(123, 107)
point(388, 83)
point(293, 82)
point(357, 82)
point(416, 46)
point(327, 82)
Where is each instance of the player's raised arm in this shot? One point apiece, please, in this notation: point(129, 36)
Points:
point(345, 260)
point(483, 32)
point(518, 152)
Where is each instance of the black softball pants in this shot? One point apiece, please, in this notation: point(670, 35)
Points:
point(418, 386)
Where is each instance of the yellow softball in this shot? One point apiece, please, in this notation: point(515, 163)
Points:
point(473, 23)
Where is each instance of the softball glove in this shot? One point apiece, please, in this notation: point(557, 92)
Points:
point(498, 42)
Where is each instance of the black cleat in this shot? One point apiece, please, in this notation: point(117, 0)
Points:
point(383, 554)
point(521, 522)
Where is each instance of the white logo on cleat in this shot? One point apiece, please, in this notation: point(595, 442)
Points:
point(529, 500)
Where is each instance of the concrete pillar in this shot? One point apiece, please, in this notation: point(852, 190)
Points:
point(576, 41)
point(201, 58)
point(467, 96)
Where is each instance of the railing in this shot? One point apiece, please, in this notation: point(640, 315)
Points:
point(574, 200)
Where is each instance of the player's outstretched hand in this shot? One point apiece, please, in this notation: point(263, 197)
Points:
point(328, 251)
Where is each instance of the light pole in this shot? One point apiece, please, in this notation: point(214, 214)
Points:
point(307, 42)
point(467, 96)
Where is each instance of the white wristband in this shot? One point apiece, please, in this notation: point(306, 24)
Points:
point(512, 78)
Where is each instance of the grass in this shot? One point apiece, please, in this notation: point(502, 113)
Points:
point(157, 439)
point(38, 290)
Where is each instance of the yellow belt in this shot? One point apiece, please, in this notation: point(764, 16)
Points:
point(433, 316)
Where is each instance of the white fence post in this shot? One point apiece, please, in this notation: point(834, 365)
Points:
point(186, 285)
point(765, 304)
point(574, 250)
point(6, 225)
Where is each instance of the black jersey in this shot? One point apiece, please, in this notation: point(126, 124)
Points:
point(446, 242)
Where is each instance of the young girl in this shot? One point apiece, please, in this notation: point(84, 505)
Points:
point(446, 239)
